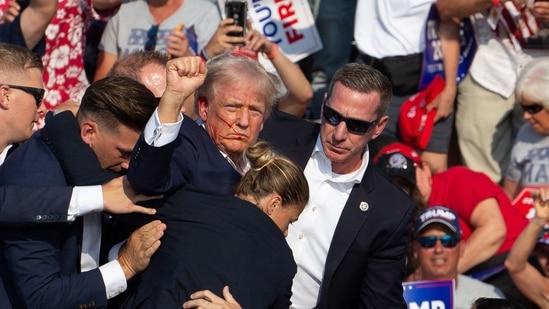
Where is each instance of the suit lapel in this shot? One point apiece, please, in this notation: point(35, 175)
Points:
point(356, 212)
point(12, 148)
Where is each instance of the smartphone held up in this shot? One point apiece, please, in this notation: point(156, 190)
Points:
point(237, 10)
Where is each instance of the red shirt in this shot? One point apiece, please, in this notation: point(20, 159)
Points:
point(462, 189)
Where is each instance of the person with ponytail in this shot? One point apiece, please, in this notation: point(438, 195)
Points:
point(213, 241)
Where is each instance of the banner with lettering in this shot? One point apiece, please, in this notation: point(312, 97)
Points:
point(289, 23)
point(432, 56)
point(524, 201)
point(429, 294)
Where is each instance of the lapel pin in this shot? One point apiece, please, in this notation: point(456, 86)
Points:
point(364, 206)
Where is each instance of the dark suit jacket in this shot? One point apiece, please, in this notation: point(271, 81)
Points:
point(52, 207)
point(43, 262)
point(14, 198)
point(365, 263)
point(192, 158)
point(214, 240)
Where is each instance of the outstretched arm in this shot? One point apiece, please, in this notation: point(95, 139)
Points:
point(299, 88)
point(487, 236)
point(35, 19)
point(529, 280)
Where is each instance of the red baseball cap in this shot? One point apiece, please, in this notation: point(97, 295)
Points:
point(404, 149)
point(398, 159)
point(415, 123)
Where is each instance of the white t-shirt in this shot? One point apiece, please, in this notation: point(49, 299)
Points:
point(127, 30)
point(391, 27)
point(469, 289)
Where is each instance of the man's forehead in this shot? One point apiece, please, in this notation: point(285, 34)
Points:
point(434, 227)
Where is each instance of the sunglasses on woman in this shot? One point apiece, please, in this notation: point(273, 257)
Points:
point(532, 108)
point(353, 125)
point(447, 241)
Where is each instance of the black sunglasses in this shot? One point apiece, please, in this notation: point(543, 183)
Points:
point(447, 241)
point(353, 125)
point(151, 38)
point(532, 109)
point(37, 93)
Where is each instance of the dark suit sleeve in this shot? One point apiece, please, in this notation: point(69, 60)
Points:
point(50, 204)
point(382, 283)
point(160, 170)
point(34, 260)
point(283, 301)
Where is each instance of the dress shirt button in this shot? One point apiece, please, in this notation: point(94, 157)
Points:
point(300, 236)
point(314, 208)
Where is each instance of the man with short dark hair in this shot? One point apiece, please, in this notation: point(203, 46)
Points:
point(350, 241)
point(56, 266)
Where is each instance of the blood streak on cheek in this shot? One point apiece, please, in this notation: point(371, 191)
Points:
point(229, 125)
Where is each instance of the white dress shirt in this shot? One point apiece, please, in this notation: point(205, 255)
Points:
point(87, 201)
point(158, 134)
point(310, 237)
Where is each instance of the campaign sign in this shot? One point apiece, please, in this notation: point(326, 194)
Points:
point(437, 294)
point(432, 56)
point(524, 201)
point(289, 23)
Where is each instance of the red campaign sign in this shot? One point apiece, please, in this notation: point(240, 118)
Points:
point(524, 201)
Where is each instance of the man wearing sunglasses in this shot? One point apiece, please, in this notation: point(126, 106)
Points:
point(108, 123)
point(21, 93)
point(438, 246)
point(490, 224)
point(350, 240)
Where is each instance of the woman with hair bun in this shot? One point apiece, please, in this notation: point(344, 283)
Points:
point(214, 240)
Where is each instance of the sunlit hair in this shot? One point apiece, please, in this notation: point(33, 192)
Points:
point(272, 173)
point(227, 69)
point(532, 82)
point(130, 65)
point(364, 79)
point(14, 60)
point(115, 100)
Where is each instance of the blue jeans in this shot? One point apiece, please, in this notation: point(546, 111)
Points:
point(335, 24)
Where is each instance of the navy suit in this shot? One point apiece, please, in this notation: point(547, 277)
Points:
point(213, 240)
point(365, 263)
point(192, 158)
point(53, 206)
point(43, 262)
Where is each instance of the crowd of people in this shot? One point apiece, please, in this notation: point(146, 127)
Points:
point(179, 171)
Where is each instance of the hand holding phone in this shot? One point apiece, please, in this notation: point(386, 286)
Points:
point(237, 10)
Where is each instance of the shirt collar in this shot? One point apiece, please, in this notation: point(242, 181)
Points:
point(4, 153)
point(326, 165)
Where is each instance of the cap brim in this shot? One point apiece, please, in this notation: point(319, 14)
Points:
point(437, 220)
